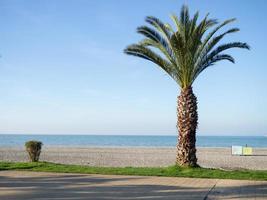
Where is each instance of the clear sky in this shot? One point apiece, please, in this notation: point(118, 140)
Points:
point(63, 71)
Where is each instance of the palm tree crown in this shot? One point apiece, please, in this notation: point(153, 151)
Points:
point(187, 49)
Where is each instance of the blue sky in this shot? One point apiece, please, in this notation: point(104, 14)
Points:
point(62, 70)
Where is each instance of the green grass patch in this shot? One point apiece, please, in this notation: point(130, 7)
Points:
point(172, 171)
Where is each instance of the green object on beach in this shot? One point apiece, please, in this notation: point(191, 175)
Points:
point(34, 149)
point(171, 171)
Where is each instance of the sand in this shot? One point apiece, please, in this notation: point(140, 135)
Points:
point(139, 157)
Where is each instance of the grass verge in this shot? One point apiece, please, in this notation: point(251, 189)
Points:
point(172, 171)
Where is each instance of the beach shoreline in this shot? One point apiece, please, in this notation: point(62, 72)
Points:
point(209, 157)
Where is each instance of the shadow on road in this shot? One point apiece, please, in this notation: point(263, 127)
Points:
point(81, 187)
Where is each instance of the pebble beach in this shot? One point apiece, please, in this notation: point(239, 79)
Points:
point(139, 157)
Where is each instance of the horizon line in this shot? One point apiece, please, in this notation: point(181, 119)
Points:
point(89, 134)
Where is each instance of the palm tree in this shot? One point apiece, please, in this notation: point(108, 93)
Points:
point(184, 52)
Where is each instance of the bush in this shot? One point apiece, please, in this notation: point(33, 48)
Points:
point(34, 150)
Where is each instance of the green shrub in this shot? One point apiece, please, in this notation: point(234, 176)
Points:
point(34, 150)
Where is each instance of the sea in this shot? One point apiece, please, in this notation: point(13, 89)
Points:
point(12, 140)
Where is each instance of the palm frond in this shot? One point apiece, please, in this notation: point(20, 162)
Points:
point(151, 43)
point(166, 33)
point(215, 40)
point(146, 53)
point(205, 24)
point(214, 56)
point(184, 15)
point(211, 62)
point(194, 22)
point(160, 26)
point(209, 46)
point(224, 47)
point(185, 49)
point(209, 36)
point(176, 22)
point(150, 33)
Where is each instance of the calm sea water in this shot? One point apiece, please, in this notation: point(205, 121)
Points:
point(118, 140)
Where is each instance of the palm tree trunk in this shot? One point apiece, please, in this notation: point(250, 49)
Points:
point(187, 124)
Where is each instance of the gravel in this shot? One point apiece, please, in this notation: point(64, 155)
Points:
point(139, 157)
